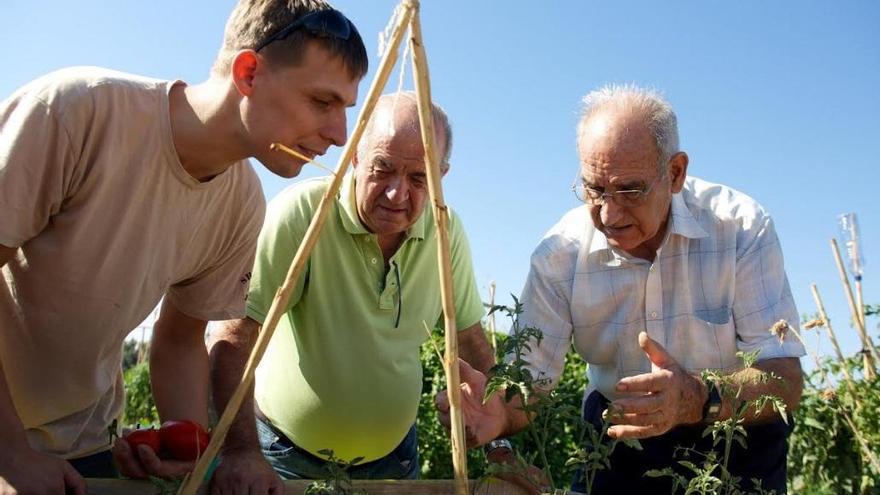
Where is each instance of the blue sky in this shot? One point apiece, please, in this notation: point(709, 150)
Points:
point(776, 99)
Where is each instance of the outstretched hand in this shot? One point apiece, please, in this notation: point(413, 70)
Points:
point(482, 422)
point(670, 397)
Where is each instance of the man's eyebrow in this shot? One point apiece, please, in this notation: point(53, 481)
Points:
point(337, 98)
point(630, 185)
point(380, 161)
point(589, 183)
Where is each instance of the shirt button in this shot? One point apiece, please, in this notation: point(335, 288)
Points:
point(374, 261)
point(653, 314)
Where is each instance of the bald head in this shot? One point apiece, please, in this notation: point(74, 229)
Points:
point(398, 113)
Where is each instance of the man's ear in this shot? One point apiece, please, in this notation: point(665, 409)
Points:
point(244, 70)
point(444, 167)
point(678, 166)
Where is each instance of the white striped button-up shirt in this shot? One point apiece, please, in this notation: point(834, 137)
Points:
point(716, 286)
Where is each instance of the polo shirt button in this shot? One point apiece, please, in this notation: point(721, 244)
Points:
point(374, 261)
point(653, 314)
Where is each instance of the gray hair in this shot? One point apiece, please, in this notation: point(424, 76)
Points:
point(650, 104)
point(391, 101)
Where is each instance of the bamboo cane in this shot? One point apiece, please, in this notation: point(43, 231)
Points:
point(860, 302)
point(282, 296)
point(441, 221)
point(827, 324)
point(492, 315)
point(870, 353)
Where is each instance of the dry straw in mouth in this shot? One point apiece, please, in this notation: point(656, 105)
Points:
point(281, 147)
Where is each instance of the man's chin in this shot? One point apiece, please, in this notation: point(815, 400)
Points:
point(622, 244)
point(389, 228)
point(287, 170)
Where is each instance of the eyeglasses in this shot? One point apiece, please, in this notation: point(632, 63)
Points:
point(627, 198)
point(329, 23)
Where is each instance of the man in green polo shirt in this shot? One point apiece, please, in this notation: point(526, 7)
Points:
point(342, 371)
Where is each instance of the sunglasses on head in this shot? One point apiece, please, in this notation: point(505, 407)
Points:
point(324, 24)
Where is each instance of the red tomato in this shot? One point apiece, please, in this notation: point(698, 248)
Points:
point(184, 440)
point(149, 437)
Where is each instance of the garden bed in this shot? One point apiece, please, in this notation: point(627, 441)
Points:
point(296, 487)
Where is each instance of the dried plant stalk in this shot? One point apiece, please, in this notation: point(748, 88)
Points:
point(831, 336)
point(870, 352)
point(441, 221)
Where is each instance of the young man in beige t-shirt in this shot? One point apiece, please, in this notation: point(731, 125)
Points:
point(117, 190)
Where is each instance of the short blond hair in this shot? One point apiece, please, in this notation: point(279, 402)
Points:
point(254, 21)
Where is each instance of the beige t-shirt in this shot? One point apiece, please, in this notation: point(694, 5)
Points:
point(108, 221)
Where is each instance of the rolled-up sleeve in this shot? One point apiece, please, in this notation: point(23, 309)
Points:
point(763, 297)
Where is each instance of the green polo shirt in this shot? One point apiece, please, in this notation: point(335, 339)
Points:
point(342, 370)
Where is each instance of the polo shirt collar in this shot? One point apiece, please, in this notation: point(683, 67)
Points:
point(352, 222)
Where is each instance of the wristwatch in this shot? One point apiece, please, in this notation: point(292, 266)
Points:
point(498, 443)
point(712, 407)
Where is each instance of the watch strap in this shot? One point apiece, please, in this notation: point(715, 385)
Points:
point(498, 443)
point(712, 407)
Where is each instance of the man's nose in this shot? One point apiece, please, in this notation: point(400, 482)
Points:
point(610, 213)
point(397, 190)
point(335, 131)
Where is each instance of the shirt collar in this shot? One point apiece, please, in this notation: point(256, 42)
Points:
point(352, 222)
point(681, 222)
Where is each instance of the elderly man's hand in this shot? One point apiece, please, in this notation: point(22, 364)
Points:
point(245, 472)
point(671, 397)
point(482, 422)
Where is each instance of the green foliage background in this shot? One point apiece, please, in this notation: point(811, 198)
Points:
point(824, 458)
point(434, 441)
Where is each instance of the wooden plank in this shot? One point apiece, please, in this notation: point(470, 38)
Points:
point(297, 487)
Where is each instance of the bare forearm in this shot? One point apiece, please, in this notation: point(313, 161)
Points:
point(230, 347)
point(179, 367)
point(475, 349)
point(779, 377)
point(180, 378)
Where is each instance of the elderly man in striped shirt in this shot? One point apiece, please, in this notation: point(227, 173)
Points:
point(659, 277)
